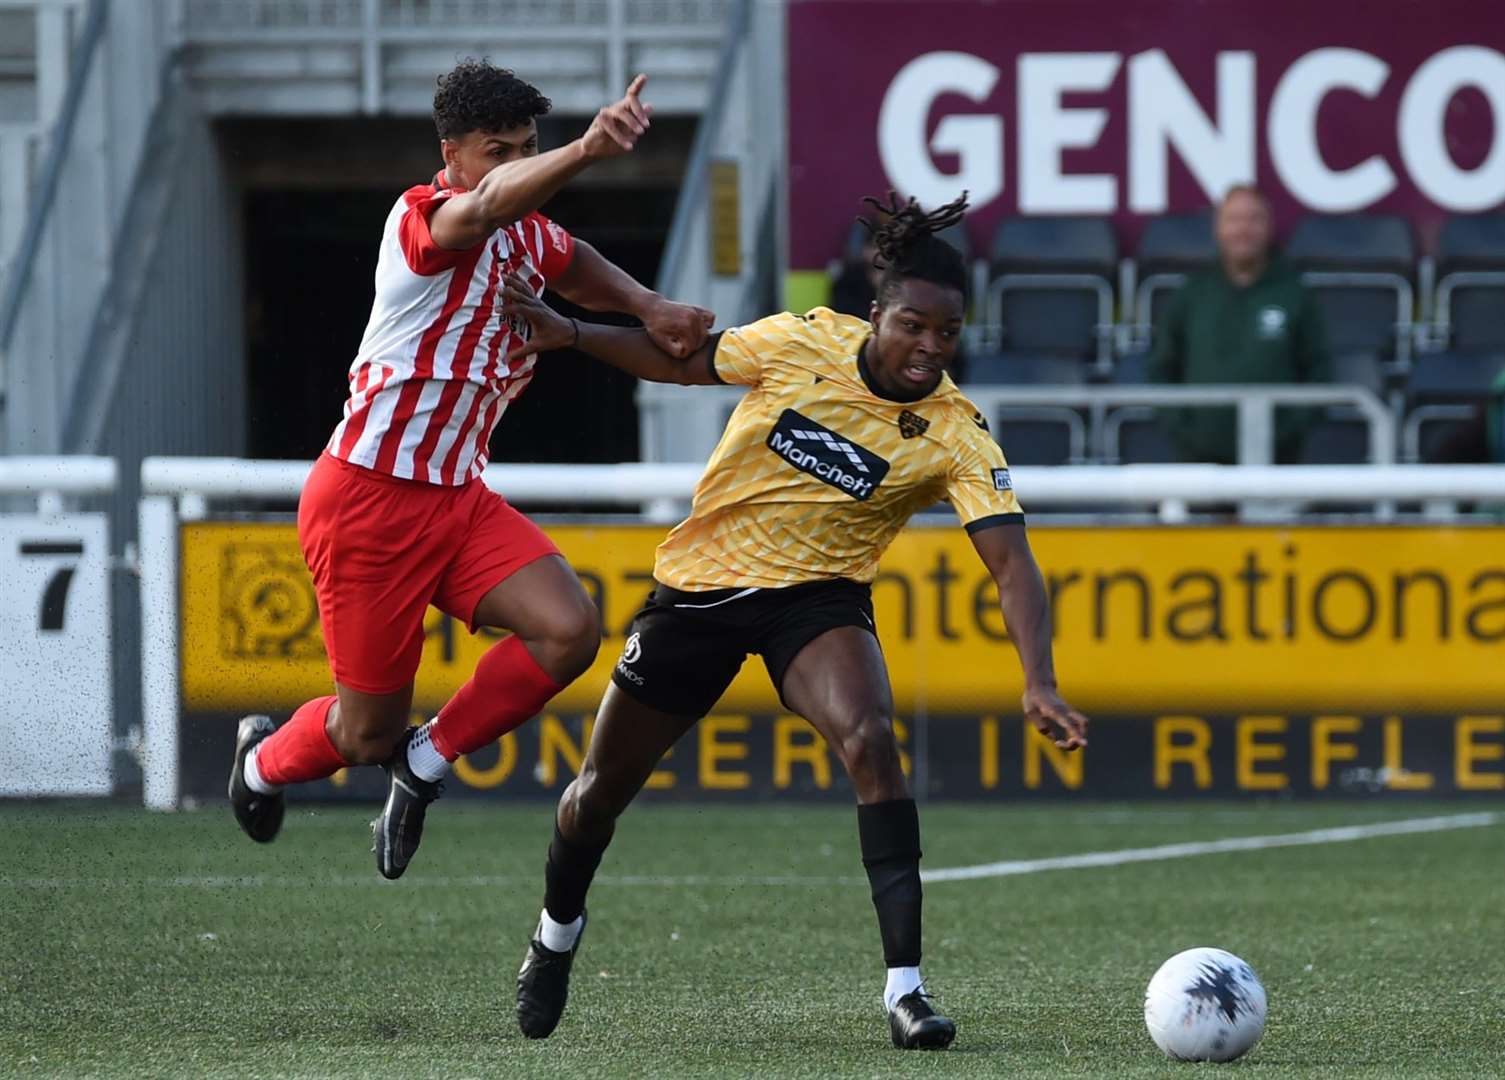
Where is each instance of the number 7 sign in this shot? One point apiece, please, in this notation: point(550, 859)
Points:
point(55, 685)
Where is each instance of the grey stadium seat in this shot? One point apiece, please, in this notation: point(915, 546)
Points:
point(1052, 288)
point(1360, 267)
point(1470, 301)
point(1443, 393)
point(1033, 434)
point(1170, 248)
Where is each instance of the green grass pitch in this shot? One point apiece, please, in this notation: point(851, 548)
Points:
point(732, 941)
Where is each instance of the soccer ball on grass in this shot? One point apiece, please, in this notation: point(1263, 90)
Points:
point(1205, 1005)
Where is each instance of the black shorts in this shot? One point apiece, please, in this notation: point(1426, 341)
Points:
point(685, 648)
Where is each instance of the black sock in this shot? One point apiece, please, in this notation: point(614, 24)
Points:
point(567, 877)
point(890, 836)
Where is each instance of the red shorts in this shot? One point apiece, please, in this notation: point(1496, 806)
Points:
point(382, 549)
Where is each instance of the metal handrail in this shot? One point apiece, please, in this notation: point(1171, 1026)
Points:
point(52, 168)
point(1450, 283)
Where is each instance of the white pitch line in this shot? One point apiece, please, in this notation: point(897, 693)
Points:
point(1086, 860)
point(1008, 868)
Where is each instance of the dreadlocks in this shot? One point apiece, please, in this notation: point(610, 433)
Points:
point(908, 247)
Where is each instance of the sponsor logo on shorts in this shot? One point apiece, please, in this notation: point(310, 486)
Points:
point(1002, 481)
point(632, 652)
point(822, 453)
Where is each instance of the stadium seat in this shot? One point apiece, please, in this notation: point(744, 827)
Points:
point(1360, 266)
point(1023, 369)
point(1454, 376)
point(1359, 368)
point(1339, 437)
point(1035, 434)
point(1444, 393)
point(1170, 248)
point(1133, 435)
point(1041, 436)
point(1470, 300)
point(1052, 287)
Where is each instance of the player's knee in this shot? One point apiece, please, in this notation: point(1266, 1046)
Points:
point(871, 753)
point(367, 736)
point(571, 638)
point(589, 806)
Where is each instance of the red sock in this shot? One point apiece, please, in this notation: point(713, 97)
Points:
point(300, 749)
point(507, 688)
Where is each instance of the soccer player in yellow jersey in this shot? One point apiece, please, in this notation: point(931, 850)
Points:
point(847, 429)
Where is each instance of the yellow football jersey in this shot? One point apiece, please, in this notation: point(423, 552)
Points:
point(815, 474)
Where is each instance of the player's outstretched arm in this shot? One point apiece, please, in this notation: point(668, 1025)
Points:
point(623, 347)
point(597, 284)
point(1026, 612)
point(517, 188)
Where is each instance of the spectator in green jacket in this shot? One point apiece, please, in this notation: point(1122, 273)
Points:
point(1248, 321)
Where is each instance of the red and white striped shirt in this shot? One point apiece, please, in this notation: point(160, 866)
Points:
point(431, 380)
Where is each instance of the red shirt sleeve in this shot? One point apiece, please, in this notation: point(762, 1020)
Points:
point(556, 246)
point(423, 255)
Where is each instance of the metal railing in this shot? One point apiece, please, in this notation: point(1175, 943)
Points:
point(663, 406)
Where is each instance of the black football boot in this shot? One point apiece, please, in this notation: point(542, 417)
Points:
point(915, 1025)
point(396, 831)
point(543, 986)
point(260, 816)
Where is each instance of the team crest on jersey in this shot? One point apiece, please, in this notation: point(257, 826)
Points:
point(830, 458)
point(912, 425)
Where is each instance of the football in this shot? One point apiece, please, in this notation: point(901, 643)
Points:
point(1205, 1005)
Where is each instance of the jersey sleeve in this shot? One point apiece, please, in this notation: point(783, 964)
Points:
point(556, 247)
point(979, 485)
point(422, 254)
point(741, 353)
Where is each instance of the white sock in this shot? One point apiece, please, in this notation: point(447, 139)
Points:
point(426, 761)
point(901, 981)
point(252, 774)
point(557, 936)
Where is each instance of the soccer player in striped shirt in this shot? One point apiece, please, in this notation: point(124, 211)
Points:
point(849, 427)
point(395, 517)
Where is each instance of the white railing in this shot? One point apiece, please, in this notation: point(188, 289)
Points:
point(688, 420)
point(50, 479)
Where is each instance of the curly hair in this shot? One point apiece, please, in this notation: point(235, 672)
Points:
point(476, 96)
point(908, 247)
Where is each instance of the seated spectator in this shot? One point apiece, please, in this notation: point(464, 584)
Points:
point(1248, 321)
point(856, 286)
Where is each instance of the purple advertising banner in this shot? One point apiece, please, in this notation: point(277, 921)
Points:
point(1132, 108)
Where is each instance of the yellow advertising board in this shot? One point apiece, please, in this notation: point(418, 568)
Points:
point(1147, 619)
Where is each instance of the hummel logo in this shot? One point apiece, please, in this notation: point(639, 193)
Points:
point(834, 443)
point(980, 420)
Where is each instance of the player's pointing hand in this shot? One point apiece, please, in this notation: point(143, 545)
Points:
point(547, 329)
point(617, 127)
point(1053, 718)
